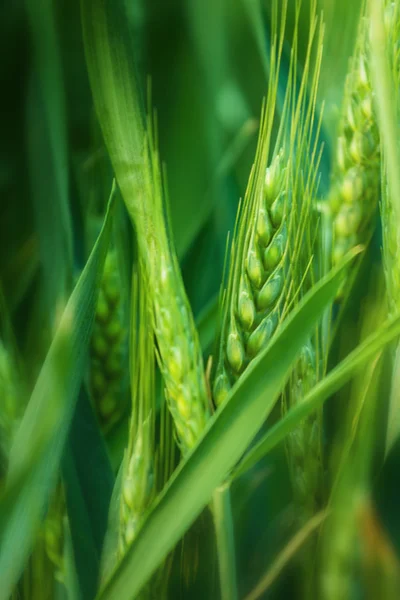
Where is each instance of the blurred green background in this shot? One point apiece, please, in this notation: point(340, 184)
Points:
point(207, 61)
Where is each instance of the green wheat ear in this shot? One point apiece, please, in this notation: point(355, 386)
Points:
point(108, 346)
point(132, 148)
point(272, 262)
point(179, 352)
point(255, 294)
point(265, 254)
point(355, 181)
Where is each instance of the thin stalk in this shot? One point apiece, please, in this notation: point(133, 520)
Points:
point(385, 100)
point(224, 533)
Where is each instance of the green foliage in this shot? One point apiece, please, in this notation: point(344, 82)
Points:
point(34, 466)
point(199, 379)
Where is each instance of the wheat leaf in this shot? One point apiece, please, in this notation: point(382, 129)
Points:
point(38, 445)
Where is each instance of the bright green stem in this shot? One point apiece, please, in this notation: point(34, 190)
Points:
point(223, 523)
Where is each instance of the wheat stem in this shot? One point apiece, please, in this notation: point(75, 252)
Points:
point(224, 532)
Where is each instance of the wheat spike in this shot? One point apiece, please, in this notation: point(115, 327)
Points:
point(354, 192)
point(259, 273)
point(255, 293)
point(272, 268)
point(108, 346)
point(266, 247)
point(179, 352)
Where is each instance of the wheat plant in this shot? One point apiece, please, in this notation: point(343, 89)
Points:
point(199, 371)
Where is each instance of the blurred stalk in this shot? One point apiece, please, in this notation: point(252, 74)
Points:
point(224, 532)
point(386, 83)
point(48, 155)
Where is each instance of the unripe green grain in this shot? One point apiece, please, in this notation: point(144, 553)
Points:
point(270, 291)
point(278, 210)
point(255, 270)
point(264, 226)
point(222, 386)
point(262, 335)
point(274, 176)
point(273, 253)
point(246, 306)
point(235, 353)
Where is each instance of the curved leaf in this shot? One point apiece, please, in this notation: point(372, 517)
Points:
point(38, 445)
point(89, 481)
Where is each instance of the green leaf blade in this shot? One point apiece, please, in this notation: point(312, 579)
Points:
point(38, 445)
